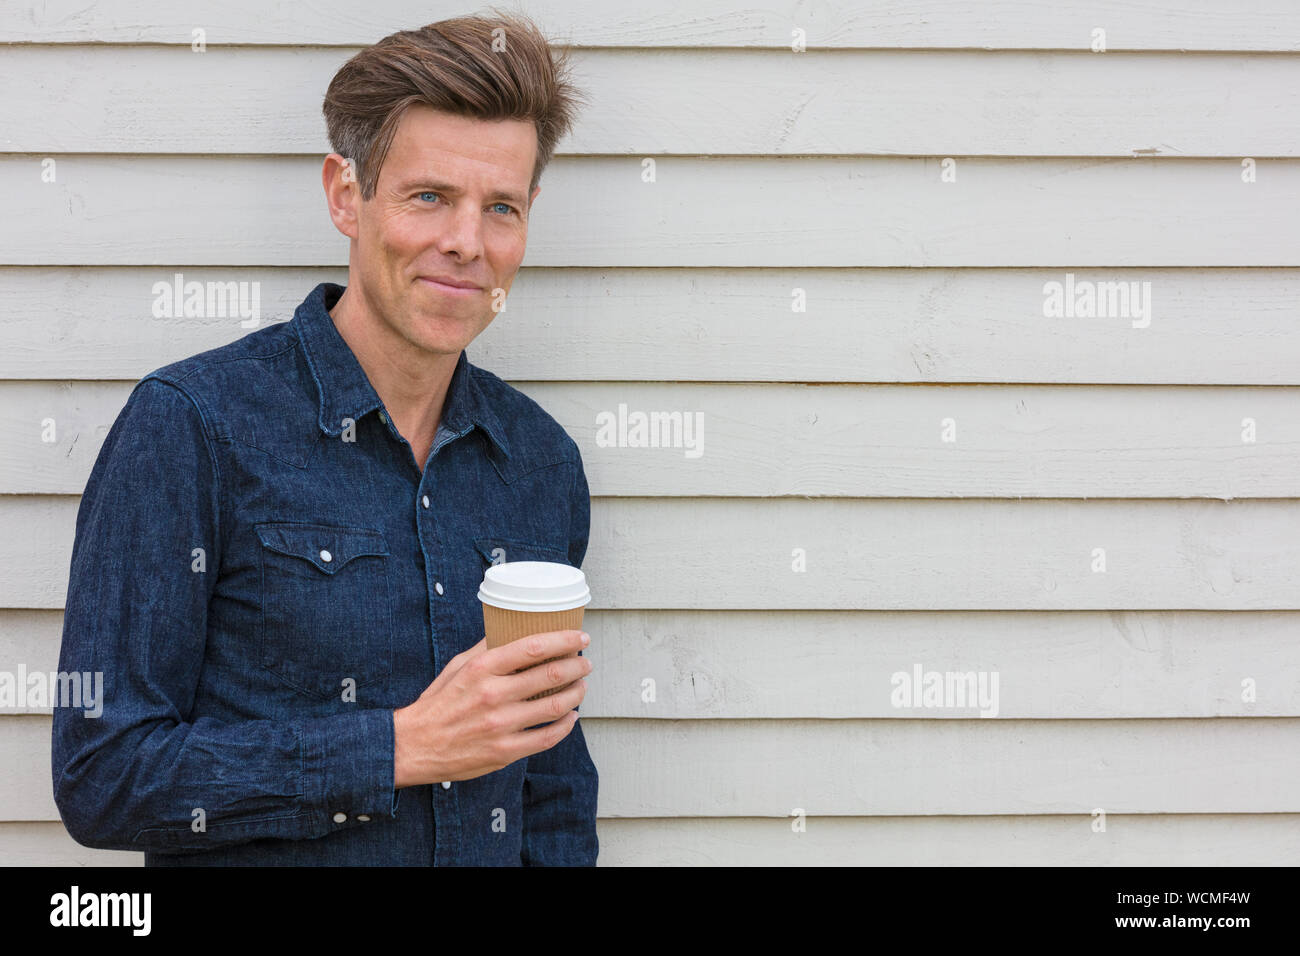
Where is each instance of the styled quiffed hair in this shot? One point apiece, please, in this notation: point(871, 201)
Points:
point(488, 68)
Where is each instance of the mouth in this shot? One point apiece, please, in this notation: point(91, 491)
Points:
point(451, 286)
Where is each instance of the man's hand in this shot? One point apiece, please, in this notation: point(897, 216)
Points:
point(470, 721)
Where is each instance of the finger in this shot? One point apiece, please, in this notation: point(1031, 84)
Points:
point(531, 650)
point(520, 716)
point(528, 742)
point(547, 676)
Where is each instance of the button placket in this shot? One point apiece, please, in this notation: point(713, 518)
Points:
point(437, 585)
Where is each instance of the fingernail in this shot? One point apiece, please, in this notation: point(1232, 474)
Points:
point(586, 638)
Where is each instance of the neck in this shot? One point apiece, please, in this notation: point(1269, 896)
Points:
point(411, 382)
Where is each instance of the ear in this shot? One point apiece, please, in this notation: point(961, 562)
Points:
point(342, 194)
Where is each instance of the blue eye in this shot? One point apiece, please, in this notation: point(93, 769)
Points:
point(506, 208)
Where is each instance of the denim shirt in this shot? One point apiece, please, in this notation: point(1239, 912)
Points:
point(262, 573)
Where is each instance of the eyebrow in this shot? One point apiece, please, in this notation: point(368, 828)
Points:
point(451, 190)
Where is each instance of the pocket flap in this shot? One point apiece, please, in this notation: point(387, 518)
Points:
point(326, 546)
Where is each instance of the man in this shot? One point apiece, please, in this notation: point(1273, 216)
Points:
point(281, 542)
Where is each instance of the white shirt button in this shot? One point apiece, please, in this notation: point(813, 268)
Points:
point(437, 586)
point(446, 785)
point(363, 818)
point(340, 818)
point(425, 501)
point(383, 418)
point(326, 556)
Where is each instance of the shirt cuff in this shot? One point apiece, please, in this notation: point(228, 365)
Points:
point(347, 765)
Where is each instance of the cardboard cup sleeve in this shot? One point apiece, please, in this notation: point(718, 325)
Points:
point(502, 626)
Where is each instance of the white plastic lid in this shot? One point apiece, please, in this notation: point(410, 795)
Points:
point(534, 586)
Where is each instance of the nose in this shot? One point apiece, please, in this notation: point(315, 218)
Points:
point(462, 232)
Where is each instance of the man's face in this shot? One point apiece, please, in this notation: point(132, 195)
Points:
point(451, 202)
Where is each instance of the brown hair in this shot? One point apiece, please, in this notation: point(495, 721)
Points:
point(460, 66)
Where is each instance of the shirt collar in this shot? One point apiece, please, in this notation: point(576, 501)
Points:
point(346, 392)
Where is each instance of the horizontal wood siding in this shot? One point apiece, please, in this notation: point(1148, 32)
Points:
point(840, 268)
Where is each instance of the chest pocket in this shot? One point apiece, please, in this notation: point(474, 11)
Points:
point(326, 607)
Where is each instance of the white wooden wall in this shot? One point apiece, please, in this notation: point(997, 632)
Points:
point(778, 171)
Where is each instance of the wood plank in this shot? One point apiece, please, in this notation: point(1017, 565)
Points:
point(841, 664)
point(594, 211)
point(770, 768)
point(1244, 839)
point(945, 555)
point(900, 103)
point(769, 440)
point(48, 844)
point(1208, 326)
point(960, 767)
point(859, 554)
point(1006, 24)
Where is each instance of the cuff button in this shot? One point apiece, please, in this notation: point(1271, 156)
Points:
point(340, 818)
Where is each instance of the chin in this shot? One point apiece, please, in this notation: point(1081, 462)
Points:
point(441, 345)
point(443, 342)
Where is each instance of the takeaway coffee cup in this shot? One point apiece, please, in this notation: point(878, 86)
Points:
point(531, 597)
